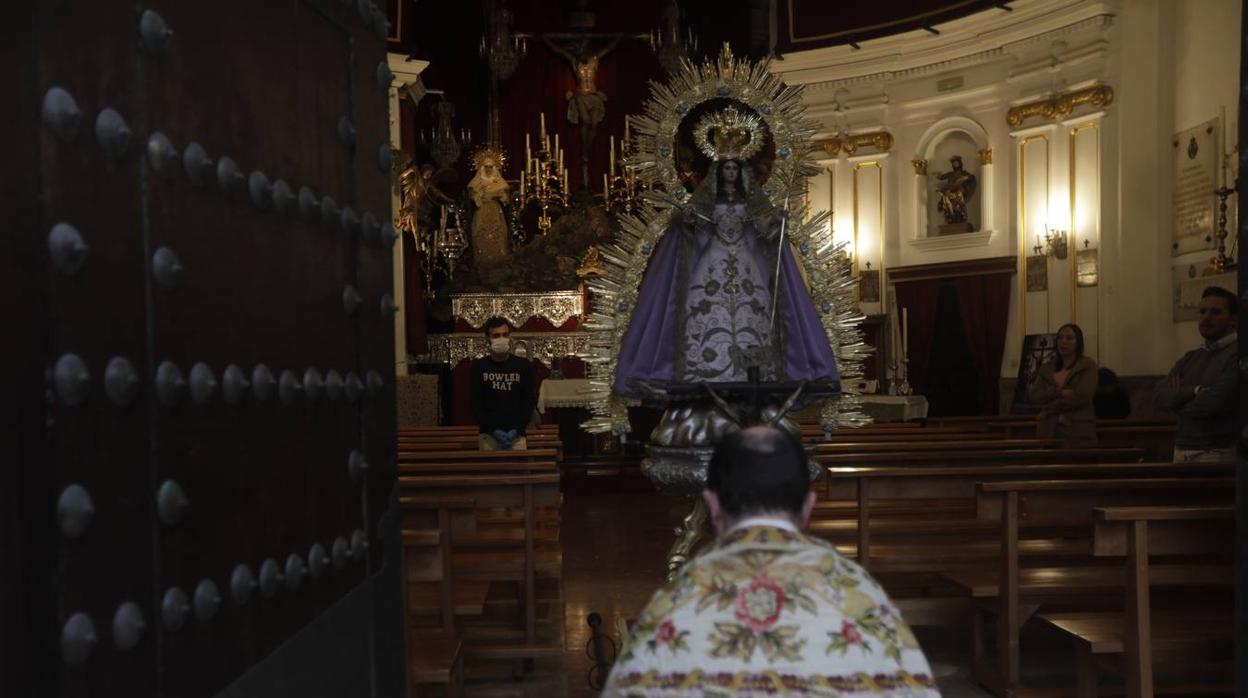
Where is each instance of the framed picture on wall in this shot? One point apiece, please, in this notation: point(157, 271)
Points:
point(1037, 273)
point(869, 286)
point(1037, 348)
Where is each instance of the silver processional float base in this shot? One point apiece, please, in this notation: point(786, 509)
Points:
point(696, 416)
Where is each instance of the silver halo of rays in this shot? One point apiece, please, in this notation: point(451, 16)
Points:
point(826, 266)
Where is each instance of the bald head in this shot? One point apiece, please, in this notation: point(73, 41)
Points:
point(759, 470)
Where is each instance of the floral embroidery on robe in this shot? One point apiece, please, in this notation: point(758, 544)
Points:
point(769, 611)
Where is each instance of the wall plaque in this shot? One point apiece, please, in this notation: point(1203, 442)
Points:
point(869, 286)
point(1037, 273)
point(1086, 268)
point(1196, 153)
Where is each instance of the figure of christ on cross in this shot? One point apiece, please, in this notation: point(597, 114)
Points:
point(586, 106)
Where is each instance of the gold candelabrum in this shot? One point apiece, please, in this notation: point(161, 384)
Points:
point(1054, 243)
point(1221, 262)
point(621, 189)
point(544, 181)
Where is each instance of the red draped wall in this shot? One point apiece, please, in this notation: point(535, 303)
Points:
point(984, 301)
point(919, 299)
point(985, 304)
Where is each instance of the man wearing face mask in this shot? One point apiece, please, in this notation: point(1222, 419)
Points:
point(502, 392)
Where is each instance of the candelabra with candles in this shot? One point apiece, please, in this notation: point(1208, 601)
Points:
point(544, 180)
point(1054, 243)
point(621, 189)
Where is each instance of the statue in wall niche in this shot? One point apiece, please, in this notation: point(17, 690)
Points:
point(955, 187)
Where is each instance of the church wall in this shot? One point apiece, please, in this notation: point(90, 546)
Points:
point(1100, 171)
point(1206, 72)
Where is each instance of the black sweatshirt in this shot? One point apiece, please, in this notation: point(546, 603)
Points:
point(502, 394)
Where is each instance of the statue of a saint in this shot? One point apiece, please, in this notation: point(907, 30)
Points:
point(586, 106)
point(489, 191)
point(956, 187)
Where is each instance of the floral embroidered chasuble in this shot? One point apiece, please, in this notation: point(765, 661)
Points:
point(770, 611)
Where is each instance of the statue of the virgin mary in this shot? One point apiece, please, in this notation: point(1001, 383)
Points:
point(710, 306)
point(722, 272)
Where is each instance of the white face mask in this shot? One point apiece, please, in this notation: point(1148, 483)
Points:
point(500, 345)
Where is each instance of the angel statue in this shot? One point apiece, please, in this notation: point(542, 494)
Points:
point(711, 305)
point(489, 192)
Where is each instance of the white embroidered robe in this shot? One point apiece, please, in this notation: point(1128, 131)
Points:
point(770, 611)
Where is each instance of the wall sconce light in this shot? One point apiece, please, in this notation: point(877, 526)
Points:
point(1054, 243)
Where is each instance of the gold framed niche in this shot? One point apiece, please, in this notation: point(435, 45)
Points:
point(1083, 266)
point(879, 174)
point(1022, 221)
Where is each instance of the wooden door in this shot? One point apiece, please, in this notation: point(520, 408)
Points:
point(193, 273)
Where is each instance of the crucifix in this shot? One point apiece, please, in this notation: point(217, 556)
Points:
point(586, 106)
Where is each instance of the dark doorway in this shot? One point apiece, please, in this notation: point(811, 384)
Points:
point(952, 378)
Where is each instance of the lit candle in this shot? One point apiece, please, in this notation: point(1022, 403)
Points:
point(557, 150)
point(611, 168)
point(543, 134)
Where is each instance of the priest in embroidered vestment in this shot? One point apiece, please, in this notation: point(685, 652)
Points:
point(767, 610)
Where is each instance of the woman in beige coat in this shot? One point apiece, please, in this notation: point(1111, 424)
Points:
point(1064, 390)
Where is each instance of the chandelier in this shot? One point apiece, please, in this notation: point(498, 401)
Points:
point(445, 145)
point(666, 42)
point(500, 47)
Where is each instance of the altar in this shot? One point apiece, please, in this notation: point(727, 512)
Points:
point(563, 392)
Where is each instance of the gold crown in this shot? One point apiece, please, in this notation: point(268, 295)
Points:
point(729, 135)
point(490, 152)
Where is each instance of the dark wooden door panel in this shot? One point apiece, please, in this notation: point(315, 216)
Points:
point(270, 85)
point(97, 314)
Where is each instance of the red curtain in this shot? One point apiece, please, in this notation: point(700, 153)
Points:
point(985, 304)
point(919, 298)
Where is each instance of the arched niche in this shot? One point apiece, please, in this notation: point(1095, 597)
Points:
point(967, 139)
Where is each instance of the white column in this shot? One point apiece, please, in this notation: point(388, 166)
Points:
point(404, 71)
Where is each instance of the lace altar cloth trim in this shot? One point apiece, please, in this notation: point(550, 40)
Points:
point(518, 308)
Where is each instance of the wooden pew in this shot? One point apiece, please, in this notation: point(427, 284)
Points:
point(912, 446)
point(526, 492)
point(1047, 504)
point(933, 502)
point(943, 455)
point(814, 429)
point(436, 657)
point(1137, 534)
point(548, 455)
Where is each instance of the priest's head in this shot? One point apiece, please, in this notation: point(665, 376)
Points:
point(759, 471)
